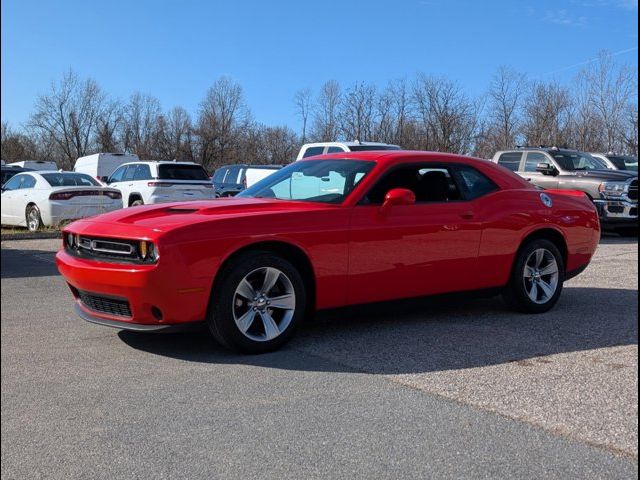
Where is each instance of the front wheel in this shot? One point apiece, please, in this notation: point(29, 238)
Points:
point(257, 303)
point(33, 217)
point(537, 278)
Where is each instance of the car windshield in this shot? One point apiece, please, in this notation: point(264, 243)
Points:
point(182, 172)
point(573, 161)
point(324, 181)
point(624, 162)
point(63, 179)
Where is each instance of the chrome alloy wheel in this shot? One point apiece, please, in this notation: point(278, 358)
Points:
point(263, 304)
point(541, 276)
point(33, 220)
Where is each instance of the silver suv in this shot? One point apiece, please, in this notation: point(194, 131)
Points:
point(615, 192)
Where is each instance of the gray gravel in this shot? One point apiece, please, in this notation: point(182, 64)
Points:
point(453, 389)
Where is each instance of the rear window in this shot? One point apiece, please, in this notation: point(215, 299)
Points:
point(510, 160)
point(69, 180)
point(182, 172)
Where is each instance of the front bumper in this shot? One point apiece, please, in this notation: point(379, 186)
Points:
point(617, 212)
point(154, 295)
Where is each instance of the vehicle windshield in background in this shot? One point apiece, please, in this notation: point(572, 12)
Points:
point(182, 172)
point(624, 162)
point(574, 161)
point(70, 180)
point(367, 148)
point(324, 181)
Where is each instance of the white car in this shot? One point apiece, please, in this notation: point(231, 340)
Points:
point(615, 161)
point(154, 181)
point(35, 164)
point(313, 149)
point(47, 198)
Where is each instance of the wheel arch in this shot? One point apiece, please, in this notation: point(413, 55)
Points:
point(133, 196)
point(553, 235)
point(289, 251)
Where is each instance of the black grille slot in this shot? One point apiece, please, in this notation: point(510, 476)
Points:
point(102, 304)
point(633, 190)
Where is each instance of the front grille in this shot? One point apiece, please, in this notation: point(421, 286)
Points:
point(103, 304)
point(633, 190)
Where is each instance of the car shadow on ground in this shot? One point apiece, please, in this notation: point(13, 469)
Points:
point(428, 335)
point(613, 239)
point(21, 263)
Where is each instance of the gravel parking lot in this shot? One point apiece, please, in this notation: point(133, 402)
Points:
point(453, 388)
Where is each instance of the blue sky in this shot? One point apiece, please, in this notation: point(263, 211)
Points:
point(175, 50)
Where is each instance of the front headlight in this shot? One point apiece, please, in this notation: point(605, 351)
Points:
point(612, 189)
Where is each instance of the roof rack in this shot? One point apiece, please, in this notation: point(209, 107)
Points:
point(519, 147)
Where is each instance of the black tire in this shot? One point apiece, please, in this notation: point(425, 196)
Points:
point(627, 231)
point(515, 293)
point(224, 302)
point(33, 218)
point(137, 203)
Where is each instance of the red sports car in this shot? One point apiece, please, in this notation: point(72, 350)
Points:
point(330, 231)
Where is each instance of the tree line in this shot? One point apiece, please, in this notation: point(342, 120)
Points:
point(596, 111)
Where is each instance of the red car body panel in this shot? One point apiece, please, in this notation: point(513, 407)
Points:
point(357, 255)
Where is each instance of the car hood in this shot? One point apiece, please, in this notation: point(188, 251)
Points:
point(169, 216)
point(607, 175)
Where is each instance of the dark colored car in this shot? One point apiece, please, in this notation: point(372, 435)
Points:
point(233, 179)
point(8, 172)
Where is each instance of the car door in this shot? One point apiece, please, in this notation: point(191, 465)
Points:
point(529, 172)
point(117, 181)
point(10, 198)
point(426, 248)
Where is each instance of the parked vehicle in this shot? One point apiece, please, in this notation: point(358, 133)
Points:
point(232, 179)
point(47, 198)
point(146, 182)
point(102, 165)
point(614, 192)
point(618, 162)
point(313, 149)
point(35, 164)
point(8, 172)
point(328, 232)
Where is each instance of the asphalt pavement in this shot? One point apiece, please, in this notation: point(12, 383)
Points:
point(455, 388)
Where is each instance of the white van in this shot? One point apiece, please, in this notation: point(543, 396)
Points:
point(35, 164)
point(102, 165)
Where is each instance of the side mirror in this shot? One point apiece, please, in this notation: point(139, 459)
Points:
point(397, 197)
point(546, 169)
point(104, 179)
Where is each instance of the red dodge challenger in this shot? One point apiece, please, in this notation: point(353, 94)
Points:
point(325, 232)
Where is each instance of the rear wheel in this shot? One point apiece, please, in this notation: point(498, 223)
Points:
point(257, 304)
point(34, 220)
point(537, 278)
point(137, 202)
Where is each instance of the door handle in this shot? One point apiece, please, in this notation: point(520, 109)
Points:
point(467, 215)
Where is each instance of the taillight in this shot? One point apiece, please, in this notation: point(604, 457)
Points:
point(113, 195)
point(159, 184)
point(62, 196)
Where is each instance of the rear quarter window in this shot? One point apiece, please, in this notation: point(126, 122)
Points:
point(510, 160)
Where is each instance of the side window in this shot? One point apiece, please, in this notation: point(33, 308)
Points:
point(117, 175)
point(429, 183)
point(510, 160)
point(129, 173)
point(334, 150)
point(233, 176)
point(218, 177)
point(473, 183)
point(27, 182)
point(13, 183)
point(311, 151)
point(533, 159)
point(142, 172)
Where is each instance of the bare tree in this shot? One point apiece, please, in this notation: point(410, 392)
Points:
point(325, 121)
point(357, 113)
point(15, 146)
point(547, 115)
point(140, 122)
point(447, 116)
point(302, 103)
point(222, 118)
point(505, 98)
point(174, 135)
point(70, 114)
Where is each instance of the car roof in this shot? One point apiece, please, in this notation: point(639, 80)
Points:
point(391, 156)
point(348, 144)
